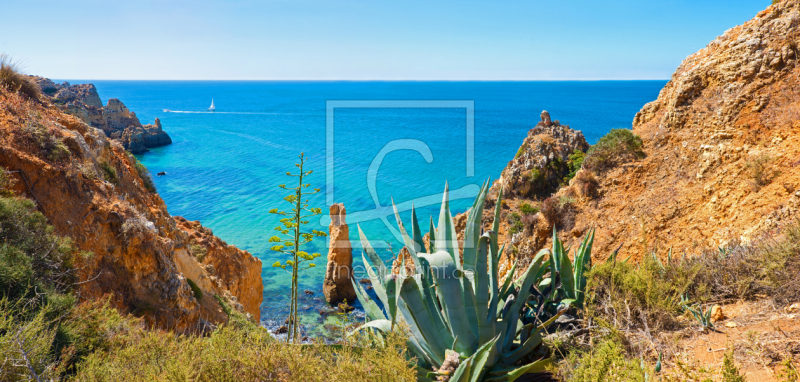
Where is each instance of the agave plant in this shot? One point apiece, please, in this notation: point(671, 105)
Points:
point(456, 301)
point(566, 284)
point(703, 318)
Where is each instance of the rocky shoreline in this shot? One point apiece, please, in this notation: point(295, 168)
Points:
point(116, 121)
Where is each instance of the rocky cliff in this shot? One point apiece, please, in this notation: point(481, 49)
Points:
point(114, 119)
point(721, 148)
point(89, 188)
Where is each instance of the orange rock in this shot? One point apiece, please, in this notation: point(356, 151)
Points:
point(403, 260)
point(339, 271)
point(717, 314)
point(729, 105)
point(139, 255)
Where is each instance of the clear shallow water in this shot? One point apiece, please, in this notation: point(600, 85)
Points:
point(223, 168)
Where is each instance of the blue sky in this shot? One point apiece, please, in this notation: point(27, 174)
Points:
point(363, 40)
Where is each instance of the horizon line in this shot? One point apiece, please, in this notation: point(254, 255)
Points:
point(368, 80)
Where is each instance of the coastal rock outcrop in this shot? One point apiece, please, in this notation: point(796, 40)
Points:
point(540, 163)
point(339, 270)
point(88, 188)
point(229, 269)
point(722, 145)
point(116, 121)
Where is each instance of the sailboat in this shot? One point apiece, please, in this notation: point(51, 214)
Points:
point(211, 108)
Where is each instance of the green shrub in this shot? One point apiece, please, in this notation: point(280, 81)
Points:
point(546, 180)
point(520, 150)
point(527, 209)
point(618, 147)
point(574, 163)
point(198, 251)
point(109, 172)
point(730, 373)
point(515, 224)
point(607, 360)
point(232, 354)
point(198, 293)
point(32, 258)
point(628, 295)
point(13, 80)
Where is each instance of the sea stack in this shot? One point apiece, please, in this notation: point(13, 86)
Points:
point(339, 271)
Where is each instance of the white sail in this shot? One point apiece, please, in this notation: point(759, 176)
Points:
point(211, 108)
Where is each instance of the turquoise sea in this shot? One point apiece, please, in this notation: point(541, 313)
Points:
point(224, 168)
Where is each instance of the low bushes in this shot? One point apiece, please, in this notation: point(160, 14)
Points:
point(560, 211)
point(574, 163)
point(760, 170)
point(45, 335)
point(231, 354)
point(52, 147)
point(587, 184)
point(109, 172)
point(617, 147)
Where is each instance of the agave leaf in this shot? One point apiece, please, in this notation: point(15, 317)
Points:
point(432, 237)
point(497, 209)
point(373, 311)
point(429, 324)
point(375, 260)
point(583, 260)
point(444, 231)
point(472, 231)
point(505, 373)
point(502, 294)
point(416, 233)
point(524, 292)
point(425, 375)
point(449, 291)
point(485, 354)
point(555, 261)
point(377, 283)
point(472, 310)
point(430, 350)
point(463, 371)
point(428, 291)
point(531, 343)
point(409, 243)
point(567, 277)
point(392, 292)
point(481, 277)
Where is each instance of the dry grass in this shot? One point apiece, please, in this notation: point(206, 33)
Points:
point(13, 80)
point(236, 354)
point(761, 171)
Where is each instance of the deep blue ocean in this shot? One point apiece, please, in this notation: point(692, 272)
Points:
point(224, 168)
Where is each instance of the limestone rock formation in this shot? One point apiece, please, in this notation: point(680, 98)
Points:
point(339, 271)
point(228, 268)
point(722, 143)
point(89, 190)
point(114, 119)
point(540, 163)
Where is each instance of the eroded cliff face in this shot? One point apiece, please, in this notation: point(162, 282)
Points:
point(87, 186)
point(83, 101)
point(722, 149)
